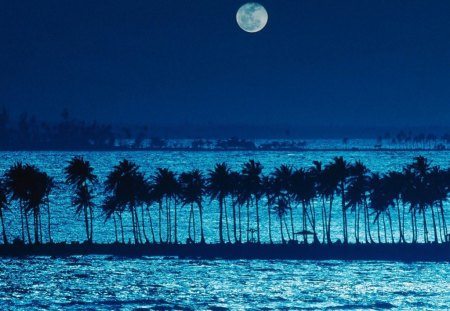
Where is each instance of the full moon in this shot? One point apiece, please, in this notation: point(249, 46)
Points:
point(252, 17)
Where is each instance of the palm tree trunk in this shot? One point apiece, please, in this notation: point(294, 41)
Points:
point(402, 238)
point(270, 223)
point(49, 223)
point(378, 229)
point(384, 227)
point(91, 216)
point(40, 226)
point(27, 227)
point(444, 225)
point(324, 220)
point(257, 220)
point(189, 223)
point(434, 224)
point(221, 221)
point(234, 220)
point(193, 224)
point(305, 237)
point(390, 226)
point(175, 222)
point(240, 223)
point(151, 225)
point(292, 225)
point(133, 222)
point(344, 214)
point(425, 229)
point(21, 220)
point(329, 221)
point(121, 228)
point(115, 228)
point(356, 229)
point(226, 220)
point(143, 225)
point(86, 223)
point(202, 238)
point(168, 223)
point(281, 230)
point(160, 221)
point(5, 239)
point(248, 221)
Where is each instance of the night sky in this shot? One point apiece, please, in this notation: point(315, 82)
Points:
point(317, 62)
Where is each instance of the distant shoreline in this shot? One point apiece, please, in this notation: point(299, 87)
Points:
point(434, 252)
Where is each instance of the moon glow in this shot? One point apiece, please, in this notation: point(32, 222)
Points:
point(252, 17)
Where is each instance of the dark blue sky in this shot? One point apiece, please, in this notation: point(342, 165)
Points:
point(318, 62)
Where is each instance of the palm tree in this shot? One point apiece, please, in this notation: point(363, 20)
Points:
point(282, 189)
point(417, 192)
point(110, 208)
point(321, 190)
point(16, 184)
point(192, 190)
point(239, 197)
point(395, 186)
point(83, 202)
point(327, 187)
point(3, 207)
point(39, 187)
point(340, 169)
point(251, 183)
point(378, 200)
point(219, 187)
point(167, 189)
point(80, 175)
point(127, 187)
point(281, 208)
point(437, 193)
point(356, 194)
point(303, 191)
point(267, 186)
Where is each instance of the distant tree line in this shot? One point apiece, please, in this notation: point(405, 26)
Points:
point(415, 194)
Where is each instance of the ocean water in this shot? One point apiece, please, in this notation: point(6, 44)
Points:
point(112, 283)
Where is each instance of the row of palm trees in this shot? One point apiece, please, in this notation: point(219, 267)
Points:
point(242, 196)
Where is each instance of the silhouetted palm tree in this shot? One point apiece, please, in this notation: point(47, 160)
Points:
point(282, 189)
point(128, 189)
point(303, 190)
point(417, 192)
point(251, 183)
point(4, 206)
point(340, 169)
point(16, 183)
point(192, 190)
point(395, 186)
point(328, 184)
point(219, 187)
point(437, 192)
point(281, 208)
point(168, 189)
point(40, 185)
point(80, 175)
point(111, 208)
point(356, 194)
point(321, 190)
point(267, 186)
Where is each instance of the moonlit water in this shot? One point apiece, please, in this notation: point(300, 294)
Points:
point(108, 283)
point(104, 282)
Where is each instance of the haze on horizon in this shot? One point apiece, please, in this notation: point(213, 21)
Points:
point(376, 63)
